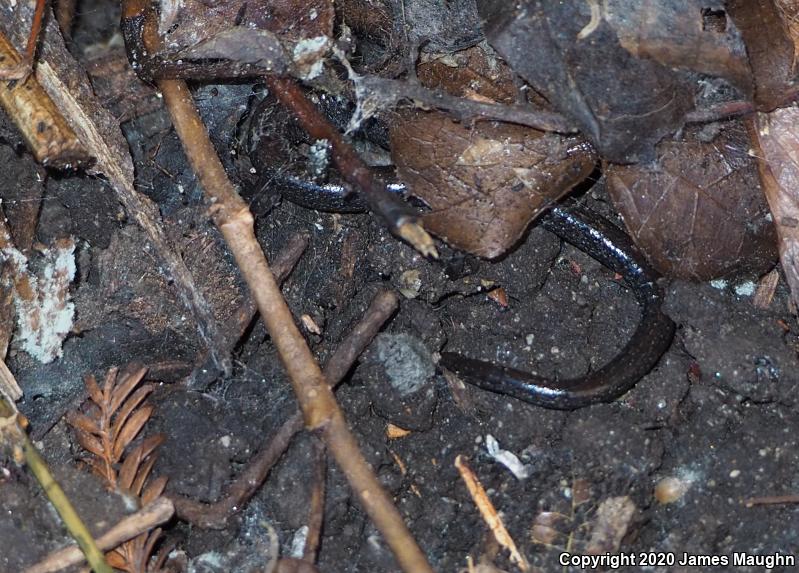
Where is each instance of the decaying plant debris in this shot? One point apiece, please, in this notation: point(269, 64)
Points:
point(204, 146)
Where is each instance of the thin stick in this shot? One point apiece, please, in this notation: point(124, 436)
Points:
point(205, 370)
point(400, 219)
point(36, 26)
point(320, 410)
point(316, 505)
point(13, 430)
point(215, 515)
point(489, 513)
point(156, 513)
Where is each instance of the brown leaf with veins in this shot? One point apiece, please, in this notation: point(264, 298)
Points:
point(472, 73)
point(485, 184)
point(571, 54)
point(698, 211)
point(690, 34)
point(775, 142)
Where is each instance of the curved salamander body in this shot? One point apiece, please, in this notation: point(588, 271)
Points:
point(587, 231)
point(607, 244)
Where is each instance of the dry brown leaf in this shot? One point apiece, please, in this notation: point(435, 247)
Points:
point(89, 442)
point(128, 406)
point(142, 475)
point(624, 105)
point(692, 34)
point(772, 54)
point(153, 489)
point(698, 211)
point(95, 393)
point(548, 528)
point(775, 143)
point(469, 72)
point(485, 184)
point(83, 422)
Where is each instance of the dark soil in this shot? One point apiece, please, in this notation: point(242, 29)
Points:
point(718, 413)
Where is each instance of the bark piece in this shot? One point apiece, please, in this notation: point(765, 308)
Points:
point(487, 183)
point(48, 135)
point(697, 212)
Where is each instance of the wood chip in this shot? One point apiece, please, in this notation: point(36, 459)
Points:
point(393, 432)
point(489, 513)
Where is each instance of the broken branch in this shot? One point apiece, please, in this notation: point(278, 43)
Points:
point(153, 514)
point(49, 137)
point(399, 218)
point(215, 515)
point(321, 412)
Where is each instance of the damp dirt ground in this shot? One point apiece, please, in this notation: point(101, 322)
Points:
point(717, 419)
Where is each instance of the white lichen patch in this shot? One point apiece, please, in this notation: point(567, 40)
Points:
point(44, 310)
point(308, 56)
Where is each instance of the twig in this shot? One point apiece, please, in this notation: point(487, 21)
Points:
point(13, 430)
point(385, 93)
point(249, 481)
point(399, 217)
point(321, 412)
point(156, 513)
point(205, 370)
point(489, 513)
point(36, 27)
point(49, 137)
point(316, 506)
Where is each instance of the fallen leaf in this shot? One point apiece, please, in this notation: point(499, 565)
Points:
point(697, 212)
point(696, 35)
point(764, 27)
point(624, 105)
point(775, 143)
point(470, 72)
point(485, 184)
